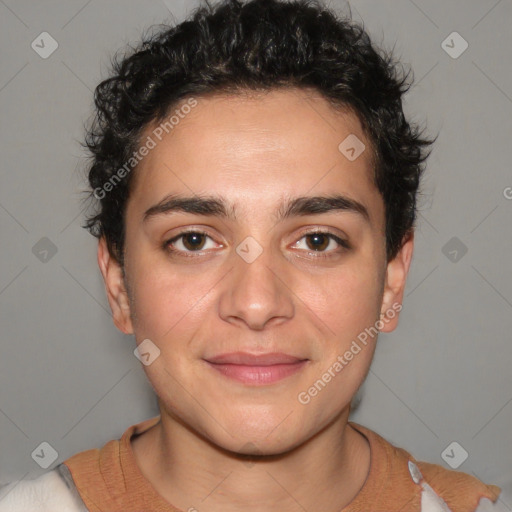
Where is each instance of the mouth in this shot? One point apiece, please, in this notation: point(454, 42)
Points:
point(254, 369)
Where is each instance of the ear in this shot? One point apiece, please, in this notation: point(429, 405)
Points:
point(115, 288)
point(394, 286)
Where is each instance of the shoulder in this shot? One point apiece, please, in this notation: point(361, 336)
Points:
point(432, 487)
point(453, 491)
point(51, 491)
point(504, 503)
point(454, 483)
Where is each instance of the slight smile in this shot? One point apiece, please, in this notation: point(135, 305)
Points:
point(256, 369)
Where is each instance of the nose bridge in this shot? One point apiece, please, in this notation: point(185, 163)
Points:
point(255, 290)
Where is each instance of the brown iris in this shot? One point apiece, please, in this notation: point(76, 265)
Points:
point(194, 239)
point(318, 239)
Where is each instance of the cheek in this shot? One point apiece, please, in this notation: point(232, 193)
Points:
point(346, 301)
point(167, 301)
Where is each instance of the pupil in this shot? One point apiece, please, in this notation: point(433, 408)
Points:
point(318, 237)
point(191, 239)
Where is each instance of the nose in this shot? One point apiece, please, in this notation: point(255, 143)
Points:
point(256, 294)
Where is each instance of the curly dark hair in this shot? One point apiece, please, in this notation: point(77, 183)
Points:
point(236, 46)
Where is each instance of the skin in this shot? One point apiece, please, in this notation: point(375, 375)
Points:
point(255, 150)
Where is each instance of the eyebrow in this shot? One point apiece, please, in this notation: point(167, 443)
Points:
point(291, 207)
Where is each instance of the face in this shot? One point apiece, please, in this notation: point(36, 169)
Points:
point(245, 269)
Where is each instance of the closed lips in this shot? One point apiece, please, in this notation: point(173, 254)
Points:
point(246, 359)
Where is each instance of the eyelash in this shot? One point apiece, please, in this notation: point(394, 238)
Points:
point(193, 254)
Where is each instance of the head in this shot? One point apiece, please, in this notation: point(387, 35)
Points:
point(273, 133)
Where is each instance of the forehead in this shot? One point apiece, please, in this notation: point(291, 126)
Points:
point(253, 148)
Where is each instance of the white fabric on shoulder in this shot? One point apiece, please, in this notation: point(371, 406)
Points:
point(431, 502)
point(504, 503)
point(49, 492)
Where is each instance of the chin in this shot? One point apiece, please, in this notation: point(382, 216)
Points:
point(247, 444)
point(255, 435)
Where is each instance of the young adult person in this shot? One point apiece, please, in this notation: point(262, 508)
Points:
point(256, 183)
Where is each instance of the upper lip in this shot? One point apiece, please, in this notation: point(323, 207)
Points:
point(244, 358)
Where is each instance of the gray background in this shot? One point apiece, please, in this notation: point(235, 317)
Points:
point(69, 378)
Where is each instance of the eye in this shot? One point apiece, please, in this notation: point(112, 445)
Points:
point(321, 241)
point(189, 241)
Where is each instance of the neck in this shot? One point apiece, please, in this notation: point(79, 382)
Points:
point(324, 473)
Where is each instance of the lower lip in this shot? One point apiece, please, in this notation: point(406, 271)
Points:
point(258, 375)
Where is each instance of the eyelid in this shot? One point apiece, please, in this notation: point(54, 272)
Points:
point(326, 231)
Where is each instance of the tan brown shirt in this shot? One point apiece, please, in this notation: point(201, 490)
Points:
point(109, 480)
